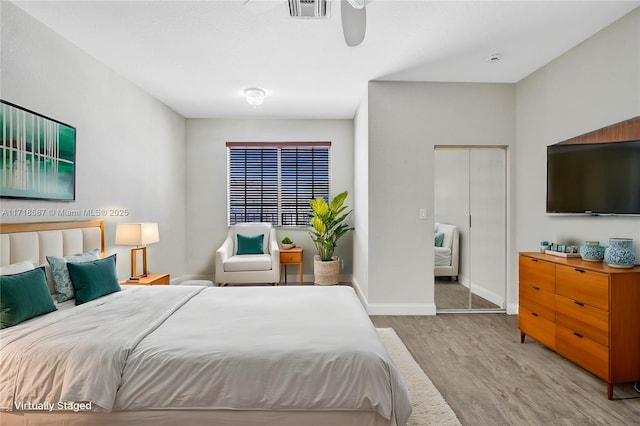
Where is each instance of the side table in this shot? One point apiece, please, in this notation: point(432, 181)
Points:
point(150, 279)
point(291, 257)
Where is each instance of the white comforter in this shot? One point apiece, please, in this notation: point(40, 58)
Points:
point(164, 347)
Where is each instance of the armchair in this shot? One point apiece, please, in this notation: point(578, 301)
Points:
point(447, 257)
point(233, 268)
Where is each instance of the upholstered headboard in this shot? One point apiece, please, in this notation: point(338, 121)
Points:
point(35, 241)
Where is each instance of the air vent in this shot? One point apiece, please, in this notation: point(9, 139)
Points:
point(308, 8)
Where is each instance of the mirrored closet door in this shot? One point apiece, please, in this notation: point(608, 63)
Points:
point(470, 199)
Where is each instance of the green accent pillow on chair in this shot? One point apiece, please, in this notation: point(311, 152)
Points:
point(250, 244)
point(24, 296)
point(94, 279)
point(438, 239)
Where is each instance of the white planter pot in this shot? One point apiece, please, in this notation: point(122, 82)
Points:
point(327, 272)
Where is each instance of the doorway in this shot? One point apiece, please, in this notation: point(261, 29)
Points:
point(470, 194)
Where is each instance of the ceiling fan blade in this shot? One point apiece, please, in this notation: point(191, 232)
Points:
point(354, 23)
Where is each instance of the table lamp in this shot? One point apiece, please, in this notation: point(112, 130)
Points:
point(139, 235)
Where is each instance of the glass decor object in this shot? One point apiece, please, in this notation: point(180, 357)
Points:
point(620, 253)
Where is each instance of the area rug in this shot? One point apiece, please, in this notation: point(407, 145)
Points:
point(429, 407)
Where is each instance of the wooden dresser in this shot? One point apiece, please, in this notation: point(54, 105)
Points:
point(587, 312)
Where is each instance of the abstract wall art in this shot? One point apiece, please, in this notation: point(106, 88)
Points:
point(37, 156)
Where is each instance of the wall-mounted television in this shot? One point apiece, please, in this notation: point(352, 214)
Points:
point(598, 178)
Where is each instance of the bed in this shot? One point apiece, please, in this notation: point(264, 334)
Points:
point(192, 355)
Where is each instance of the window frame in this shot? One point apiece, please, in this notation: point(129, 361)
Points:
point(279, 146)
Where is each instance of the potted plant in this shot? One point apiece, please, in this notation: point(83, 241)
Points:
point(327, 227)
point(287, 243)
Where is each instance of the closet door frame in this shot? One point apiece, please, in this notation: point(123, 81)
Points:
point(465, 246)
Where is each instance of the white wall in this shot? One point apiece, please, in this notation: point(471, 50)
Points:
point(206, 163)
point(406, 120)
point(361, 199)
point(130, 147)
point(592, 86)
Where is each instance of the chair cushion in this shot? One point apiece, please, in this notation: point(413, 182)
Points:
point(447, 230)
point(251, 228)
point(248, 262)
point(250, 244)
point(438, 239)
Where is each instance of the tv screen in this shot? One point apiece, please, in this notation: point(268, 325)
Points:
point(600, 178)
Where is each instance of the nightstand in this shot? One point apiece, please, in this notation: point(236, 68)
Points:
point(151, 279)
point(291, 257)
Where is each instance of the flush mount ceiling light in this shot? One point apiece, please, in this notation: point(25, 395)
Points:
point(255, 96)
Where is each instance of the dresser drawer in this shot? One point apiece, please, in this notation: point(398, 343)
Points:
point(537, 273)
point(537, 327)
point(294, 257)
point(536, 300)
point(585, 320)
point(583, 351)
point(584, 286)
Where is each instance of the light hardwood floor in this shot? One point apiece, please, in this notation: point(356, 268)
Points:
point(489, 378)
point(453, 295)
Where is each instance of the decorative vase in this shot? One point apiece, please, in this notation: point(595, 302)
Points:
point(620, 253)
point(592, 251)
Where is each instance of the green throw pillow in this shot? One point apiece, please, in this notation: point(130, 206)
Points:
point(60, 274)
point(94, 279)
point(438, 239)
point(250, 244)
point(23, 296)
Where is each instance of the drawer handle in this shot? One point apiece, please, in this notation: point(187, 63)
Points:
point(577, 335)
point(534, 314)
point(578, 303)
point(579, 270)
point(534, 260)
point(536, 288)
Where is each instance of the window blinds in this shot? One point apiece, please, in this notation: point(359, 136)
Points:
point(273, 182)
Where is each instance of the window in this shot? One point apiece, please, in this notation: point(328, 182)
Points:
point(273, 182)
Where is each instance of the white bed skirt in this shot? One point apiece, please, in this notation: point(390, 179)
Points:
point(196, 418)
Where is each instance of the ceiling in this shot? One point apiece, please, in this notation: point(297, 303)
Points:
point(198, 56)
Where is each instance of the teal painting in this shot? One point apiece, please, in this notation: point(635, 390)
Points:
point(38, 156)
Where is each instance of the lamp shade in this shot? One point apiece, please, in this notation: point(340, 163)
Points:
point(137, 234)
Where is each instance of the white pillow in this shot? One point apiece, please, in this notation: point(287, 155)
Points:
point(16, 268)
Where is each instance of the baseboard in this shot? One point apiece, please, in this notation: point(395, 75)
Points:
point(480, 291)
point(308, 278)
point(183, 278)
point(359, 293)
point(492, 297)
point(512, 309)
point(408, 309)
